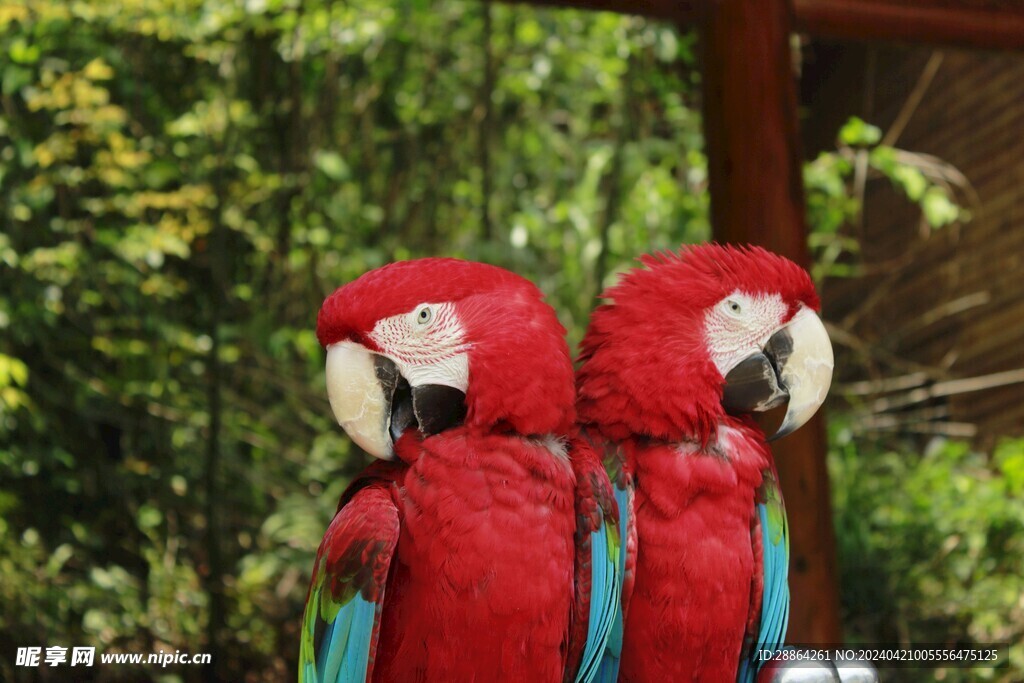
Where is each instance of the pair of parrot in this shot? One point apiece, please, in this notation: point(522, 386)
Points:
point(487, 543)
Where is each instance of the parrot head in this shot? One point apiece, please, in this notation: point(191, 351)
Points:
point(422, 346)
point(695, 335)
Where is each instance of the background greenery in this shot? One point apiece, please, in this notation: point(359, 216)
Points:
point(183, 181)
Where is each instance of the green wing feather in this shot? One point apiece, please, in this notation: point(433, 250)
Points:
point(773, 527)
point(342, 618)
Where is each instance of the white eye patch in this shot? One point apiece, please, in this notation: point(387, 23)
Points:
point(427, 343)
point(740, 325)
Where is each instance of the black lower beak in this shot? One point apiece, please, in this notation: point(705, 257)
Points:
point(431, 408)
point(755, 384)
point(402, 415)
point(438, 407)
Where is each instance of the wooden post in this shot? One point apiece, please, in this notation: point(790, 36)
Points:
point(753, 144)
point(977, 24)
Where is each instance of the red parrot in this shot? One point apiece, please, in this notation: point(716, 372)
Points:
point(671, 367)
point(483, 545)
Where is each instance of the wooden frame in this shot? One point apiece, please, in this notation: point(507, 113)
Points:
point(979, 24)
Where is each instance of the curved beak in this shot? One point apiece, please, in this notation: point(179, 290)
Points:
point(806, 372)
point(796, 364)
point(375, 404)
point(361, 396)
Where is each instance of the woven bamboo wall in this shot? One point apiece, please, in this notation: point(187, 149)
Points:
point(947, 305)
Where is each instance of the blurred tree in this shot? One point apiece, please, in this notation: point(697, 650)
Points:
point(181, 183)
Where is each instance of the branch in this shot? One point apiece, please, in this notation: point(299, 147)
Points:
point(912, 102)
point(949, 388)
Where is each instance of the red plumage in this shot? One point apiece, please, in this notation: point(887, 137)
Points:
point(595, 506)
point(645, 369)
point(695, 565)
point(483, 582)
point(649, 389)
point(481, 586)
point(521, 375)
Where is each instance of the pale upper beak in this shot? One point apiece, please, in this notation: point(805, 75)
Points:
point(358, 398)
point(795, 364)
point(375, 404)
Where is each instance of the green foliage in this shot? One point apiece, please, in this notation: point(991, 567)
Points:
point(835, 183)
point(181, 184)
point(931, 545)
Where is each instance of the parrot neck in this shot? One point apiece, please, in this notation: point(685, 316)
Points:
point(720, 441)
point(621, 393)
point(704, 434)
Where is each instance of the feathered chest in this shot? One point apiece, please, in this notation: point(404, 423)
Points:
point(672, 477)
point(476, 507)
point(696, 565)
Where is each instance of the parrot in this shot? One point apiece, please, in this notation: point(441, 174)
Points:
point(482, 543)
point(684, 349)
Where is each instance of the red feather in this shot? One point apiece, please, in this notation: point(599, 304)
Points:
point(648, 387)
point(482, 584)
point(645, 369)
point(357, 550)
point(695, 564)
point(520, 371)
point(595, 506)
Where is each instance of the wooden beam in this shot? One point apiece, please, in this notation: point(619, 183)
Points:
point(754, 164)
point(978, 24)
point(982, 24)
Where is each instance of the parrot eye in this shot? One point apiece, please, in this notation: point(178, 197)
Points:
point(736, 307)
point(424, 315)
